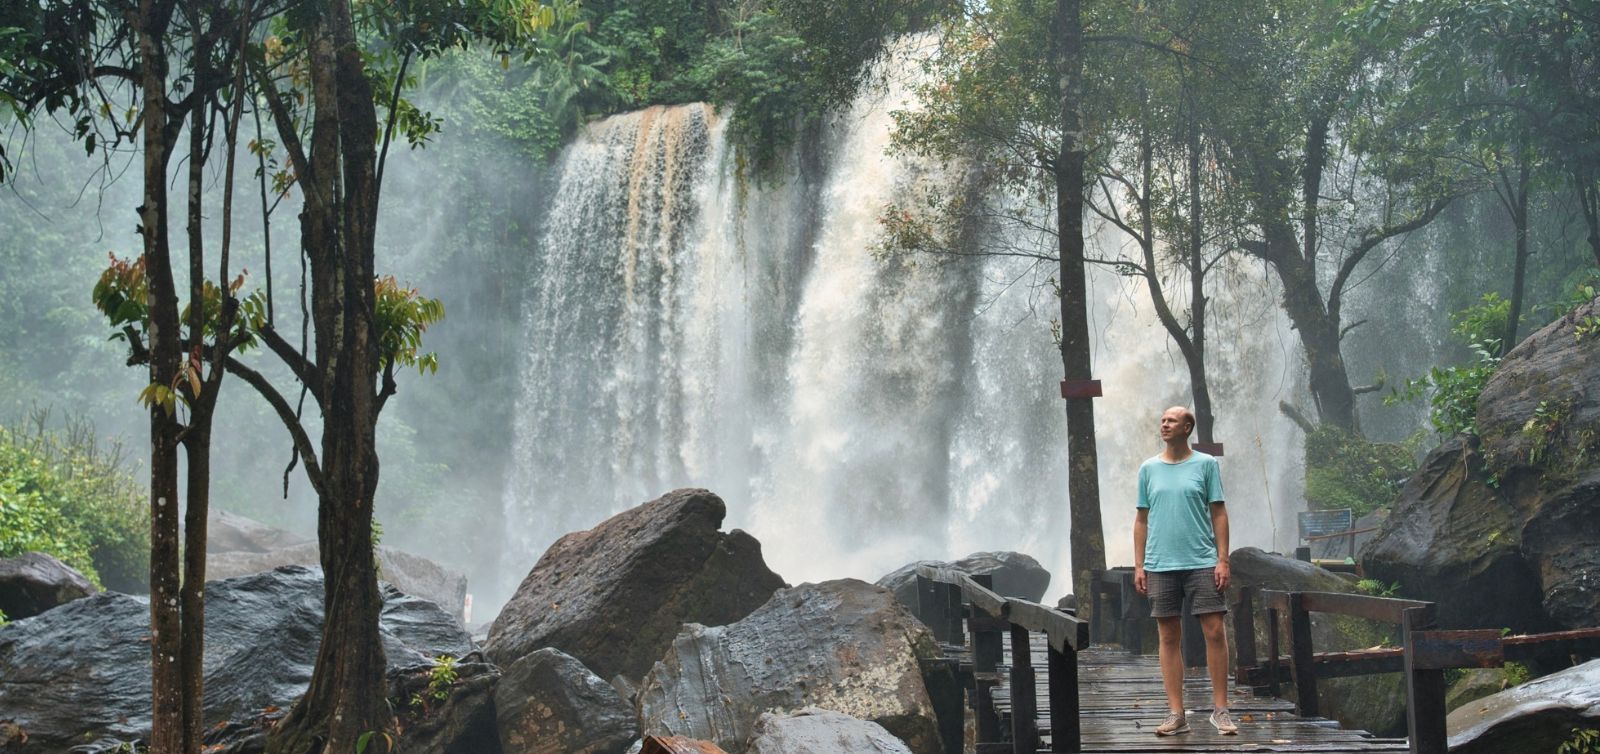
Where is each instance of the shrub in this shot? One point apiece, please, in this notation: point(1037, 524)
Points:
point(64, 493)
point(1346, 470)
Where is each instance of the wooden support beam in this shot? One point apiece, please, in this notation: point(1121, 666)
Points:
point(1066, 728)
point(1244, 633)
point(1080, 389)
point(1272, 651)
point(1425, 711)
point(1441, 650)
point(1024, 696)
point(1301, 665)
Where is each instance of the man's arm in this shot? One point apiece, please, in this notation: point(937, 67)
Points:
point(1219, 526)
point(1141, 527)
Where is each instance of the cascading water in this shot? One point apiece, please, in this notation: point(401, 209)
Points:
point(690, 327)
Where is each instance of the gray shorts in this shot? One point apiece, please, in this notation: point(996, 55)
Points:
point(1168, 589)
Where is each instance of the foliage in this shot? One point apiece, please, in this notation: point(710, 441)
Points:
point(1377, 588)
point(1453, 391)
point(1346, 470)
point(1516, 674)
point(64, 493)
point(1581, 741)
point(401, 316)
point(441, 679)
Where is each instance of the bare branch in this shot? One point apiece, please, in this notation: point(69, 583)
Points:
point(302, 441)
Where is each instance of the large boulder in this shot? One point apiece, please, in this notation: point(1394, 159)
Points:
point(817, 730)
point(1374, 703)
point(411, 574)
point(549, 703)
point(615, 595)
point(81, 672)
point(1015, 575)
point(34, 582)
point(231, 532)
point(1454, 540)
point(1539, 417)
point(1534, 718)
point(845, 646)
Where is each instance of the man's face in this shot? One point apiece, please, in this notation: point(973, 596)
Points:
point(1173, 424)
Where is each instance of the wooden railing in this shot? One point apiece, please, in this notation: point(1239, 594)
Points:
point(950, 600)
point(1425, 652)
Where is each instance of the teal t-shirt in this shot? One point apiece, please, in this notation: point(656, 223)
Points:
point(1179, 536)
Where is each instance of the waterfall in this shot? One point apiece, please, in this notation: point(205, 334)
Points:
point(690, 326)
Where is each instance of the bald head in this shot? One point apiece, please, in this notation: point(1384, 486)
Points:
point(1177, 421)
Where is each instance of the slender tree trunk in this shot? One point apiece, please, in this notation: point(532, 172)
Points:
point(1517, 202)
point(1204, 416)
point(1087, 538)
point(166, 733)
point(1319, 331)
point(197, 455)
point(1588, 190)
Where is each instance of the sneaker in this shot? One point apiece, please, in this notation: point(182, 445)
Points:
point(1174, 724)
point(1222, 720)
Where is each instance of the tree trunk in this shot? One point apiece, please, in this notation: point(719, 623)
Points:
point(1588, 190)
point(166, 732)
point(1204, 416)
point(1087, 538)
point(197, 454)
point(1517, 203)
point(346, 699)
point(1319, 330)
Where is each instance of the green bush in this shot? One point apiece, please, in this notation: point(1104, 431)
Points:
point(1346, 470)
point(64, 493)
point(1453, 391)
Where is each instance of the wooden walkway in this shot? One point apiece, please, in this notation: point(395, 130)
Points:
point(1122, 701)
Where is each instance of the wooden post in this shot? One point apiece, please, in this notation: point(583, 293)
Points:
point(1300, 657)
point(1096, 633)
point(1024, 697)
point(988, 648)
point(931, 606)
point(953, 613)
point(1272, 651)
point(1066, 729)
point(1244, 635)
point(1425, 712)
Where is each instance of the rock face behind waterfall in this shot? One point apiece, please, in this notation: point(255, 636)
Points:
point(81, 672)
point(1534, 718)
point(1523, 552)
point(615, 595)
point(1015, 575)
point(845, 646)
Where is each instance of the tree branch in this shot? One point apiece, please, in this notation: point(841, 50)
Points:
point(302, 441)
point(303, 369)
point(1370, 240)
point(1297, 417)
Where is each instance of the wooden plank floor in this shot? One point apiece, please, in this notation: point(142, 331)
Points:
point(1122, 702)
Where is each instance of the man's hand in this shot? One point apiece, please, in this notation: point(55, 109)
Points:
point(1140, 583)
point(1223, 576)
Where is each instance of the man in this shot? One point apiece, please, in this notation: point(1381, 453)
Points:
point(1180, 547)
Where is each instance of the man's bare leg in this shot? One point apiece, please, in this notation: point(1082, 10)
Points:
point(1171, 656)
point(1216, 633)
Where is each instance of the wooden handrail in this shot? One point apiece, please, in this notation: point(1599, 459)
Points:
point(1387, 609)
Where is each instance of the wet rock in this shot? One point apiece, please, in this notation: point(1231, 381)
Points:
point(1015, 575)
point(441, 716)
point(817, 730)
point(1539, 417)
point(1454, 540)
point(549, 703)
point(614, 596)
point(1374, 703)
point(34, 582)
point(1534, 718)
point(411, 574)
point(1474, 684)
point(81, 672)
point(845, 646)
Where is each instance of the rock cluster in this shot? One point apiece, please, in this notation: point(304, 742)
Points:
point(615, 596)
point(845, 646)
point(1505, 531)
point(1014, 574)
point(1534, 718)
point(34, 582)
